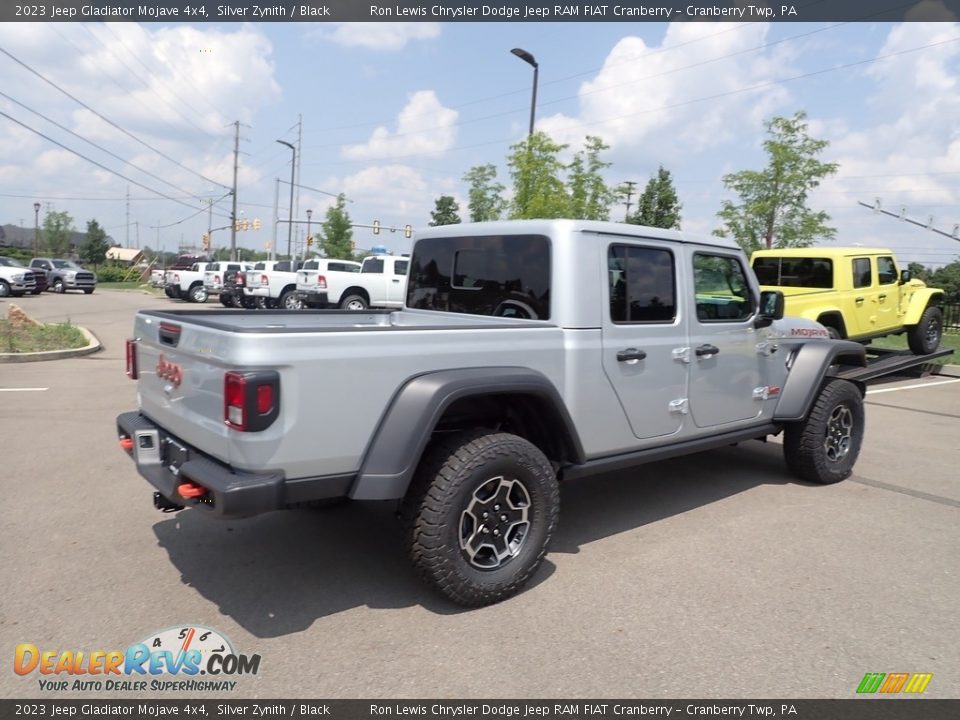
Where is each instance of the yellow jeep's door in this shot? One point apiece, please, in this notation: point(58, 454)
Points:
point(888, 293)
point(860, 305)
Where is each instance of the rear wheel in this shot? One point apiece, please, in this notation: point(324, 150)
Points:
point(353, 302)
point(290, 301)
point(824, 447)
point(226, 300)
point(924, 337)
point(479, 515)
point(197, 294)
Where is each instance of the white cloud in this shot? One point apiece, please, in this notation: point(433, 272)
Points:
point(424, 126)
point(378, 36)
point(642, 95)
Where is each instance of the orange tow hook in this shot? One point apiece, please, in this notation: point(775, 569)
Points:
point(126, 443)
point(191, 490)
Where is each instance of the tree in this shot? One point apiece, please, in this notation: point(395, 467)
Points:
point(57, 227)
point(445, 212)
point(658, 205)
point(948, 278)
point(336, 231)
point(538, 189)
point(919, 271)
point(772, 208)
point(94, 248)
point(590, 196)
point(485, 201)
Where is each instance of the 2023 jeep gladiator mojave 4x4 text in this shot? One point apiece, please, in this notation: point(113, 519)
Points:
point(526, 352)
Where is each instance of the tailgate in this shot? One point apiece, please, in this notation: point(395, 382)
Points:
point(181, 368)
point(307, 279)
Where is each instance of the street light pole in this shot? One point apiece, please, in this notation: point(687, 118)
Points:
point(306, 245)
point(293, 169)
point(36, 229)
point(530, 60)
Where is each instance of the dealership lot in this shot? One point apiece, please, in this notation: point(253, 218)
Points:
point(716, 575)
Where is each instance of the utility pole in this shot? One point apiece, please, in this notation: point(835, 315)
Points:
point(276, 217)
point(629, 193)
point(210, 223)
point(127, 241)
point(233, 212)
point(296, 208)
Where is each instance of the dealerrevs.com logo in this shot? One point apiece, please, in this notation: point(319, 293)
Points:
point(178, 659)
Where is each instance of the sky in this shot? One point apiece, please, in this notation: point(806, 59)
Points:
point(394, 114)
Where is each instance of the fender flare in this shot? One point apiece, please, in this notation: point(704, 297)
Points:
point(919, 302)
point(405, 428)
point(811, 364)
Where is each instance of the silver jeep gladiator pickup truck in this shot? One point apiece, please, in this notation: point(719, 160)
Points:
point(526, 353)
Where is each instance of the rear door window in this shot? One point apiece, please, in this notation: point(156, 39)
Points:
point(861, 272)
point(642, 284)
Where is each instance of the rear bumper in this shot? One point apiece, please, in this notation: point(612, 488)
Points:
point(313, 297)
point(231, 493)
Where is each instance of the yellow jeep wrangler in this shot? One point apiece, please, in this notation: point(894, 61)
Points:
point(856, 293)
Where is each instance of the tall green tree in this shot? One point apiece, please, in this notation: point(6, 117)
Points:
point(93, 250)
point(57, 227)
point(771, 209)
point(590, 196)
point(658, 204)
point(539, 190)
point(948, 278)
point(919, 271)
point(336, 231)
point(445, 212)
point(485, 197)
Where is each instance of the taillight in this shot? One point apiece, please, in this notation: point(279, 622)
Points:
point(321, 282)
point(264, 280)
point(240, 279)
point(132, 370)
point(176, 278)
point(251, 400)
point(216, 279)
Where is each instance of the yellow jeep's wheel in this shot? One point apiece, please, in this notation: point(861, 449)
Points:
point(824, 447)
point(924, 337)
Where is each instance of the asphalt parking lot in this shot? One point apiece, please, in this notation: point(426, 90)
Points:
point(715, 576)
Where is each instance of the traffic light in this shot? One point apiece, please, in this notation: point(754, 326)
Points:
point(206, 241)
point(376, 227)
point(407, 231)
point(309, 240)
point(257, 224)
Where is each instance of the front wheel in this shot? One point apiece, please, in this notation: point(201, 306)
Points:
point(4, 289)
point(59, 287)
point(824, 447)
point(88, 291)
point(924, 337)
point(479, 515)
point(353, 302)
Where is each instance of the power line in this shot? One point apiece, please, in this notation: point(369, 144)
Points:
point(90, 160)
point(107, 120)
point(99, 147)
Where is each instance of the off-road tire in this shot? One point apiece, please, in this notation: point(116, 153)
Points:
point(436, 507)
point(823, 448)
point(924, 337)
point(197, 294)
point(358, 302)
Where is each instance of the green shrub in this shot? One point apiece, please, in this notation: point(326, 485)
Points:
point(113, 274)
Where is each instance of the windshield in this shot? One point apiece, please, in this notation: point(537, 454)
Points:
point(11, 262)
point(66, 264)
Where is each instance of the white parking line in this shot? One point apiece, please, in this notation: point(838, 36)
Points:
point(912, 387)
point(23, 389)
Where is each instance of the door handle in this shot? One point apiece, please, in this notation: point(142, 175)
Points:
point(858, 300)
point(882, 297)
point(396, 280)
point(707, 350)
point(630, 355)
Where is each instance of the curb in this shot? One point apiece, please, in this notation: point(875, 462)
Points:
point(949, 371)
point(93, 345)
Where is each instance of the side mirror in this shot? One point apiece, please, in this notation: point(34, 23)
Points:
point(905, 277)
point(771, 308)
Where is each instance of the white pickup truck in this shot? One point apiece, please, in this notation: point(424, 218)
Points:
point(322, 281)
point(273, 283)
point(187, 284)
point(382, 282)
point(216, 276)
